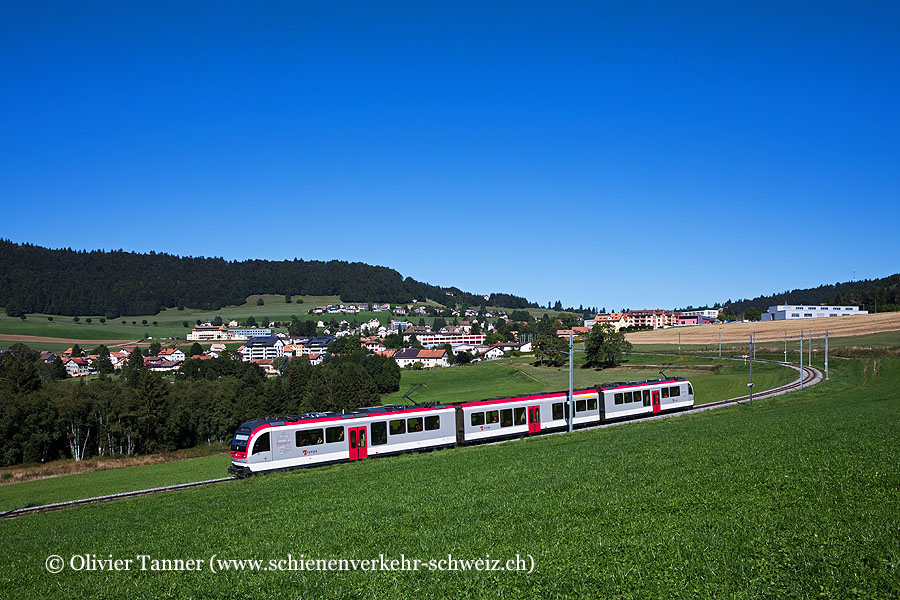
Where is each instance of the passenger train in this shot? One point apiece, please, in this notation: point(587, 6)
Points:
point(323, 438)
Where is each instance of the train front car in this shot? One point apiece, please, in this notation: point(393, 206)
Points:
point(632, 399)
point(322, 438)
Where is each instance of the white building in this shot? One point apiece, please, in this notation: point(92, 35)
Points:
point(249, 333)
point(262, 348)
point(792, 311)
point(173, 354)
point(439, 339)
point(208, 332)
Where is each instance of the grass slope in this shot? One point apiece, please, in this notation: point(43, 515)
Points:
point(111, 481)
point(170, 321)
point(506, 377)
point(794, 497)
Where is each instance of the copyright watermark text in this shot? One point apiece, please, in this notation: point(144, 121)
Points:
point(215, 564)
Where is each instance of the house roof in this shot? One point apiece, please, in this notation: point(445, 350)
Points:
point(609, 317)
point(264, 342)
point(432, 353)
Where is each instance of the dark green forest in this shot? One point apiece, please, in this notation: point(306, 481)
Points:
point(884, 292)
point(115, 283)
point(142, 412)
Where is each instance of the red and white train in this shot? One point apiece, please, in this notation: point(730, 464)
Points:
point(323, 438)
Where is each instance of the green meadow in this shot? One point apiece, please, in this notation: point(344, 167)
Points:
point(795, 497)
point(170, 322)
point(506, 377)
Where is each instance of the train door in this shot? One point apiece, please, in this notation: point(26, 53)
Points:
point(656, 401)
point(358, 448)
point(534, 419)
point(262, 450)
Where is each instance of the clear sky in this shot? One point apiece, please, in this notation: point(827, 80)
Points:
point(621, 154)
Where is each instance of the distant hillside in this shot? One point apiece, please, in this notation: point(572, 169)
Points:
point(884, 291)
point(69, 282)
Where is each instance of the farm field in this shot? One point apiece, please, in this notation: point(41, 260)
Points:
point(793, 497)
point(770, 331)
point(484, 380)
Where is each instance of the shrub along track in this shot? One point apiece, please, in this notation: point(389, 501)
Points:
point(809, 376)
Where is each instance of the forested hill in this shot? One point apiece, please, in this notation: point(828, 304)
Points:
point(69, 282)
point(884, 291)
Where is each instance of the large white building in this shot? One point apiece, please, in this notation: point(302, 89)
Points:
point(258, 348)
point(207, 332)
point(792, 311)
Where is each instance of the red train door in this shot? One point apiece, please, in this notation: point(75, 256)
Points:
point(656, 401)
point(357, 443)
point(534, 419)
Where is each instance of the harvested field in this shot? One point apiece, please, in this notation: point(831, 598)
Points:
point(770, 331)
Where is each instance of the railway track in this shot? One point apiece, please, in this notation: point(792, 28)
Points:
point(809, 376)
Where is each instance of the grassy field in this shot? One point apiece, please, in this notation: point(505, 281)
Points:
point(111, 481)
point(794, 497)
point(170, 321)
point(712, 380)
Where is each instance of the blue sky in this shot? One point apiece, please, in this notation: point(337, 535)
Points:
point(611, 154)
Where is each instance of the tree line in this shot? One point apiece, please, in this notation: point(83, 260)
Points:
point(883, 293)
point(116, 283)
point(141, 412)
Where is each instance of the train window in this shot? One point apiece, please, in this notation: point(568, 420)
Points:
point(414, 425)
point(262, 443)
point(334, 435)
point(675, 391)
point(690, 390)
point(592, 404)
point(627, 398)
point(665, 392)
point(646, 397)
point(492, 416)
point(557, 411)
point(520, 416)
point(379, 433)
point(477, 419)
point(398, 427)
point(506, 417)
point(619, 396)
point(580, 406)
point(309, 437)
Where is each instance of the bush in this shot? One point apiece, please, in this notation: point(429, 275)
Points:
point(260, 302)
point(75, 319)
point(102, 320)
point(49, 318)
point(155, 323)
point(143, 321)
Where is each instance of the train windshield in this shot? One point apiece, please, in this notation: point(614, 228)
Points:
point(239, 443)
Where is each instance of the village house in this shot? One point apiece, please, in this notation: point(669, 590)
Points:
point(429, 358)
point(172, 354)
point(616, 320)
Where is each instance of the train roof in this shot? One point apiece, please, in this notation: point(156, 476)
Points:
point(623, 384)
point(313, 417)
